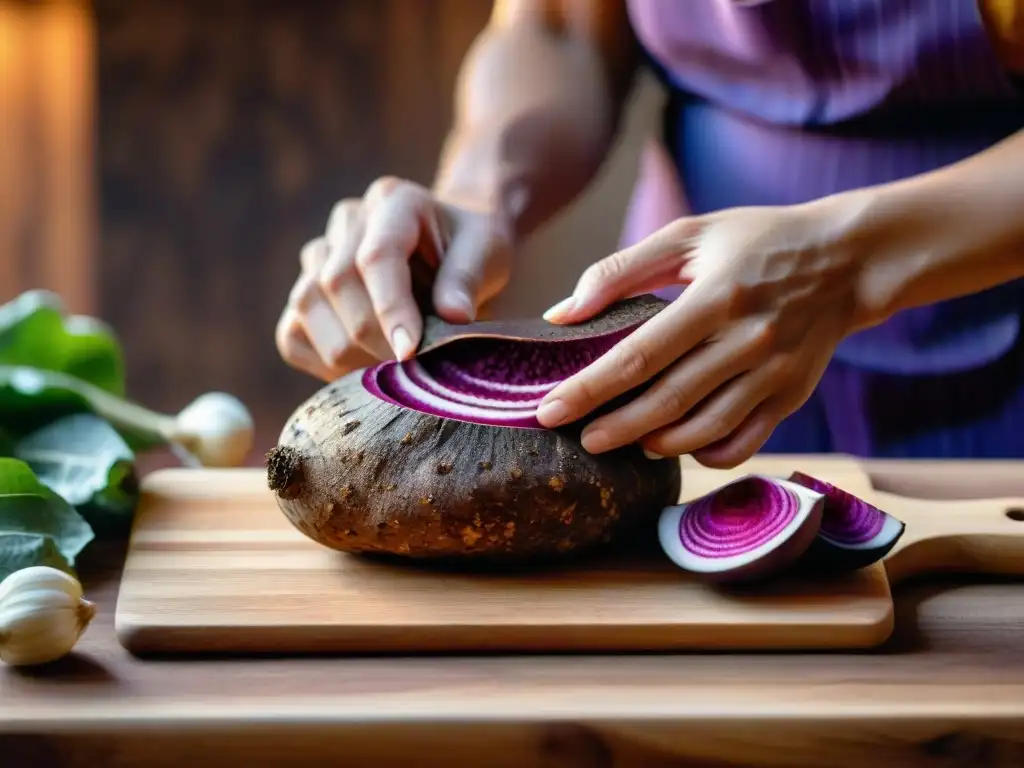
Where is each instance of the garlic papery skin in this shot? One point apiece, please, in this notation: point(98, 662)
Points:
point(216, 429)
point(42, 615)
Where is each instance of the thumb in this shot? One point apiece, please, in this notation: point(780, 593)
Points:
point(654, 262)
point(461, 275)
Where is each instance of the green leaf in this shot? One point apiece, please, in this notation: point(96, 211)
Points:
point(7, 441)
point(24, 550)
point(31, 398)
point(83, 459)
point(29, 507)
point(36, 332)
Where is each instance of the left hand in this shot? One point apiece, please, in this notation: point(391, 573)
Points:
point(770, 293)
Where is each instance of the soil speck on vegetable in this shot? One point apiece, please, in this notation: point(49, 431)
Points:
point(566, 516)
point(444, 467)
point(516, 473)
point(484, 466)
point(407, 439)
point(556, 483)
point(349, 426)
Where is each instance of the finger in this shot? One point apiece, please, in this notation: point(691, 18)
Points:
point(382, 259)
point(468, 277)
point(341, 284)
point(668, 336)
point(339, 356)
point(295, 348)
point(324, 332)
point(715, 419)
point(745, 441)
point(313, 255)
point(323, 328)
point(681, 388)
point(652, 263)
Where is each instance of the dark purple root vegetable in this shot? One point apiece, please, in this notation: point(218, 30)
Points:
point(751, 528)
point(853, 533)
point(442, 456)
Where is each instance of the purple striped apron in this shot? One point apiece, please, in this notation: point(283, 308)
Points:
point(783, 101)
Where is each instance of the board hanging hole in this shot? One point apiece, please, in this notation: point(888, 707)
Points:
point(1016, 514)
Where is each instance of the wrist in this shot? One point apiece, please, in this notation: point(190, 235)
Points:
point(929, 238)
point(474, 176)
point(903, 248)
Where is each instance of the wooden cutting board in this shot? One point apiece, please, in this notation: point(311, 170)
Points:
point(213, 566)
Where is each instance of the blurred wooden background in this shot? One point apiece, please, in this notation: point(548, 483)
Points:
point(162, 163)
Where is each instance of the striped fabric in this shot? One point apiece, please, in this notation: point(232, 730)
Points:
point(783, 101)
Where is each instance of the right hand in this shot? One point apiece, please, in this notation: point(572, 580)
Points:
point(353, 303)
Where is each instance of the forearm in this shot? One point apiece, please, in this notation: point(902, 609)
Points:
point(538, 102)
point(941, 235)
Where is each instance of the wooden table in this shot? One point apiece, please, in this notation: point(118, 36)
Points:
point(947, 690)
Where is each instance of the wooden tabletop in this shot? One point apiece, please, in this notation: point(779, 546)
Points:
point(948, 689)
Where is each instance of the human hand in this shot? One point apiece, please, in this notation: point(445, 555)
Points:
point(353, 303)
point(769, 294)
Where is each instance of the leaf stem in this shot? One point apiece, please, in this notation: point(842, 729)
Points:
point(123, 415)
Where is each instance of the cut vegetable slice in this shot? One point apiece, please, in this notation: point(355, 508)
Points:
point(853, 533)
point(753, 527)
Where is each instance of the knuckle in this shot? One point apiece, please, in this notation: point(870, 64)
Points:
point(607, 269)
point(764, 333)
point(734, 299)
point(713, 427)
point(383, 186)
point(312, 254)
point(785, 368)
point(672, 400)
point(370, 256)
point(332, 279)
point(343, 213)
point(633, 364)
point(361, 327)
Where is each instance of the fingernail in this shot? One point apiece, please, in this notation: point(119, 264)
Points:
point(552, 414)
point(460, 302)
point(560, 309)
point(594, 441)
point(652, 455)
point(401, 342)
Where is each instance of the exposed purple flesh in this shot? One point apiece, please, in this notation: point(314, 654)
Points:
point(853, 534)
point(496, 382)
point(752, 527)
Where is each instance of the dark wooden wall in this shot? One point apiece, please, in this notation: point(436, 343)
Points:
point(226, 130)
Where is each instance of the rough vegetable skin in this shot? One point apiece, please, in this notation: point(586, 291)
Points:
point(359, 474)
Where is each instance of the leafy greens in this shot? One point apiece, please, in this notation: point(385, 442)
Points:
point(65, 469)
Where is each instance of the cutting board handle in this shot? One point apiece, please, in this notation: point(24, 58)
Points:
point(983, 536)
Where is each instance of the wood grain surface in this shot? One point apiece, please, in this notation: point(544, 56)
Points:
point(946, 690)
point(214, 565)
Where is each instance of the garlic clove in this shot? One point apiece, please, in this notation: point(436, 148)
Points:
point(42, 615)
point(41, 577)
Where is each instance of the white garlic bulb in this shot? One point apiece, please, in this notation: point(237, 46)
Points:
point(42, 615)
point(216, 429)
